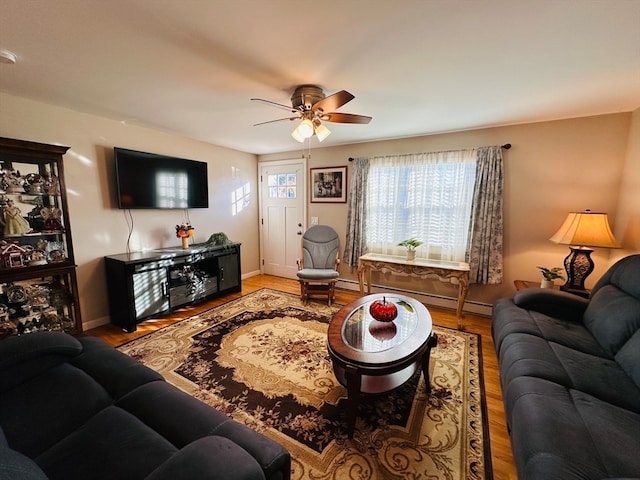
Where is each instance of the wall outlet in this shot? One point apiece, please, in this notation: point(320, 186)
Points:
point(314, 220)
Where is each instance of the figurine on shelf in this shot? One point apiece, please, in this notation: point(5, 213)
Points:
point(14, 222)
point(52, 219)
point(33, 183)
point(12, 254)
point(51, 184)
point(37, 257)
point(34, 217)
point(13, 182)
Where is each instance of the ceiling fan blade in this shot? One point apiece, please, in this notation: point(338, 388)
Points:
point(274, 104)
point(333, 102)
point(278, 120)
point(344, 118)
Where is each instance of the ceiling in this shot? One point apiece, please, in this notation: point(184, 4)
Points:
point(416, 66)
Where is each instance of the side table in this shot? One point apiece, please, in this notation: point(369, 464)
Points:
point(522, 284)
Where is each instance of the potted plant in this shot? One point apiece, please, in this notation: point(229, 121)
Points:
point(410, 244)
point(549, 275)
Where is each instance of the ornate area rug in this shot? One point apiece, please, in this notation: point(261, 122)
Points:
point(262, 359)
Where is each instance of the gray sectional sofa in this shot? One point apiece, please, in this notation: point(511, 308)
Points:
point(570, 374)
point(78, 409)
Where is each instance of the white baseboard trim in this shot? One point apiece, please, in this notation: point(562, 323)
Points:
point(250, 274)
point(477, 308)
point(95, 323)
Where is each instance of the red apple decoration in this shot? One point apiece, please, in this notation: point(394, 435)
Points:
point(383, 311)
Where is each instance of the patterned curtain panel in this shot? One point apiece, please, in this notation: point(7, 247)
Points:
point(355, 243)
point(486, 233)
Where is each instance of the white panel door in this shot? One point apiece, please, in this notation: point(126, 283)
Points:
point(282, 191)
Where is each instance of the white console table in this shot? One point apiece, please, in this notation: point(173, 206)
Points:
point(451, 272)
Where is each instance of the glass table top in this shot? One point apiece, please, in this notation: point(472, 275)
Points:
point(363, 333)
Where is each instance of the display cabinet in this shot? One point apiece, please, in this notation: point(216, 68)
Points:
point(38, 285)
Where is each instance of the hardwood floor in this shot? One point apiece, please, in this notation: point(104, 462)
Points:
point(501, 457)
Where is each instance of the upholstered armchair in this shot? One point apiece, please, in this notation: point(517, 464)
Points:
point(318, 264)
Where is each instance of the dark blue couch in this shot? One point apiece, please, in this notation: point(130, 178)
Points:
point(79, 409)
point(570, 374)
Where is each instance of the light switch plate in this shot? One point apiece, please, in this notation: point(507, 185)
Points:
point(314, 220)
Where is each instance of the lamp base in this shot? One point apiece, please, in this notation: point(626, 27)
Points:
point(581, 293)
point(578, 265)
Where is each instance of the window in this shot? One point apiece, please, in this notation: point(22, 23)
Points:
point(426, 196)
point(282, 185)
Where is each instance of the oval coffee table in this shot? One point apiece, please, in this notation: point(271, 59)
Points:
point(375, 357)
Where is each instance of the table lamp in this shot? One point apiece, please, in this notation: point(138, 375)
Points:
point(580, 231)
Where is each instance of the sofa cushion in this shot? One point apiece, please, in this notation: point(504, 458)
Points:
point(112, 444)
point(612, 317)
point(527, 355)
point(563, 434)
point(16, 466)
point(49, 407)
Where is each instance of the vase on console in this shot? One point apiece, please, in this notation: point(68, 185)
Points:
point(183, 232)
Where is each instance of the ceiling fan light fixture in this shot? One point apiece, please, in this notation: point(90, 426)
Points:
point(296, 135)
point(322, 132)
point(305, 129)
point(311, 106)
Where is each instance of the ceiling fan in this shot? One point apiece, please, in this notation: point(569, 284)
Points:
point(312, 106)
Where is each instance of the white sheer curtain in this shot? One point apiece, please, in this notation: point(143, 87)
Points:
point(427, 196)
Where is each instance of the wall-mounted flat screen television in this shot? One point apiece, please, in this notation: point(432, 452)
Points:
point(148, 180)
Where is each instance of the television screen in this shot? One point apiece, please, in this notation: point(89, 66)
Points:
point(148, 180)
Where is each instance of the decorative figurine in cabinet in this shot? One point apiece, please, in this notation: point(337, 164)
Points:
point(38, 285)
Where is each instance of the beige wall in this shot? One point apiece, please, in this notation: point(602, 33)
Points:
point(98, 227)
point(553, 168)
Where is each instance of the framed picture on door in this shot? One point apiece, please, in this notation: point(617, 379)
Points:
point(329, 185)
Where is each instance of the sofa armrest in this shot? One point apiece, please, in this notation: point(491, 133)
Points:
point(554, 303)
point(209, 457)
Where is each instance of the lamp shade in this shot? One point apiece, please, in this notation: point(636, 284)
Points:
point(305, 129)
point(322, 132)
point(295, 134)
point(586, 229)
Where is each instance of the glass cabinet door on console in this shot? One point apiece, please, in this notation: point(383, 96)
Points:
point(150, 292)
point(38, 286)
